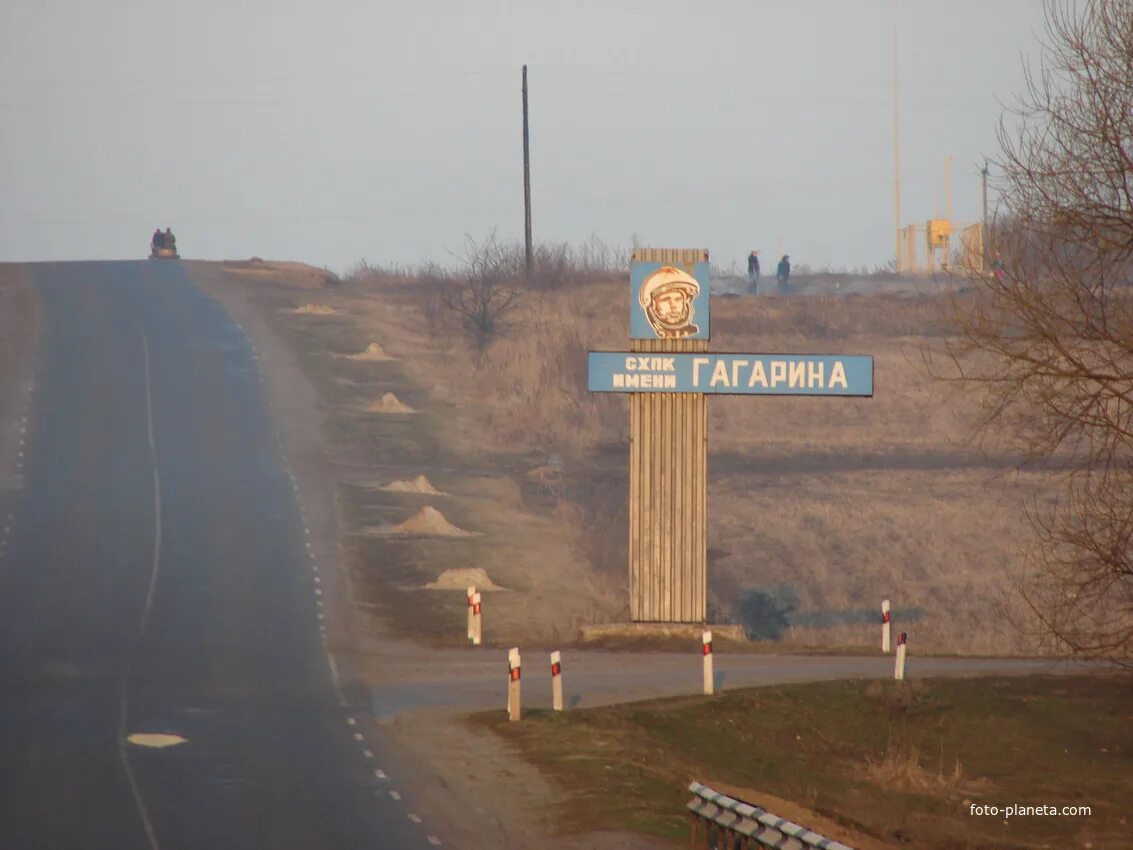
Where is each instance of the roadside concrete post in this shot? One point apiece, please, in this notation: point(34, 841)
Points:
point(514, 709)
point(477, 620)
point(709, 685)
point(899, 669)
point(557, 680)
point(471, 593)
point(884, 625)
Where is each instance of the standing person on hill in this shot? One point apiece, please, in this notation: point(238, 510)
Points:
point(784, 272)
point(753, 270)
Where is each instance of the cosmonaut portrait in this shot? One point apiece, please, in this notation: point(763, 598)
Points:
point(666, 296)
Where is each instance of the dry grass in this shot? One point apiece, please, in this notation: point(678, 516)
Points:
point(818, 508)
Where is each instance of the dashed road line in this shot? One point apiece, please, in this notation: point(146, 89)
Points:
point(395, 795)
point(357, 736)
point(381, 774)
point(367, 754)
point(432, 839)
point(350, 721)
point(414, 818)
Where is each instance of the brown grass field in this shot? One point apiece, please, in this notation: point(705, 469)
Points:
point(818, 508)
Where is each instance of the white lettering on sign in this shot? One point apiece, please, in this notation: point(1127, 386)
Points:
point(719, 374)
point(814, 374)
point(795, 373)
point(644, 381)
point(758, 375)
point(712, 373)
point(651, 364)
point(838, 375)
point(698, 362)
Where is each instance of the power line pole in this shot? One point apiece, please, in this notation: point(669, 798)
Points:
point(985, 240)
point(896, 153)
point(526, 180)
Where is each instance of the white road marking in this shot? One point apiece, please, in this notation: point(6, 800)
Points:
point(318, 580)
point(320, 615)
point(414, 818)
point(143, 812)
point(350, 721)
point(395, 795)
point(381, 774)
point(357, 736)
point(366, 754)
point(318, 592)
point(436, 842)
point(156, 740)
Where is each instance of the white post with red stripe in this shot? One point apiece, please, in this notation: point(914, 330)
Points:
point(514, 711)
point(557, 680)
point(477, 620)
point(709, 683)
point(884, 625)
point(899, 669)
point(470, 594)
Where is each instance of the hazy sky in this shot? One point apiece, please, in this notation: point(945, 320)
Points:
point(338, 130)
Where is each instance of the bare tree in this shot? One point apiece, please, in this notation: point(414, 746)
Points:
point(1048, 336)
point(487, 292)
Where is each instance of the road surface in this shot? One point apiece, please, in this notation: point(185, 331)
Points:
point(154, 578)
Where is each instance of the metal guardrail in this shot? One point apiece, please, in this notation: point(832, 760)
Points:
point(721, 823)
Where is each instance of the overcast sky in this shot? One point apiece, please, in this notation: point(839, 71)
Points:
point(334, 131)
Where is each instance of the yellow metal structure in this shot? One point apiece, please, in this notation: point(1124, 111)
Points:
point(938, 240)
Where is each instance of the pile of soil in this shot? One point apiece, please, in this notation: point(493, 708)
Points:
point(389, 403)
point(373, 351)
point(462, 579)
point(420, 484)
point(314, 310)
point(427, 521)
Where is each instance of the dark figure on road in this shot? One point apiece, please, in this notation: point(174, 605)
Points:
point(158, 240)
point(753, 270)
point(170, 240)
point(783, 274)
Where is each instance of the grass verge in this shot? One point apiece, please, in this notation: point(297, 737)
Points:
point(899, 763)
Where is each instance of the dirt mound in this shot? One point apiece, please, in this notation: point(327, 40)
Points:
point(462, 579)
point(314, 310)
point(427, 521)
point(389, 403)
point(373, 351)
point(420, 484)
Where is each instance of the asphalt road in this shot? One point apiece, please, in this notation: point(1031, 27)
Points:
point(156, 579)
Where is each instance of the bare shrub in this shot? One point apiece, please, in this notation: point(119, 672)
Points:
point(1048, 337)
point(488, 292)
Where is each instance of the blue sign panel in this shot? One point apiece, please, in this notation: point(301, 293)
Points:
point(670, 301)
point(731, 374)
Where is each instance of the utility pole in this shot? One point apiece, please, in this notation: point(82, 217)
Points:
point(985, 236)
point(526, 180)
point(896, 154)
point(948, 188)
